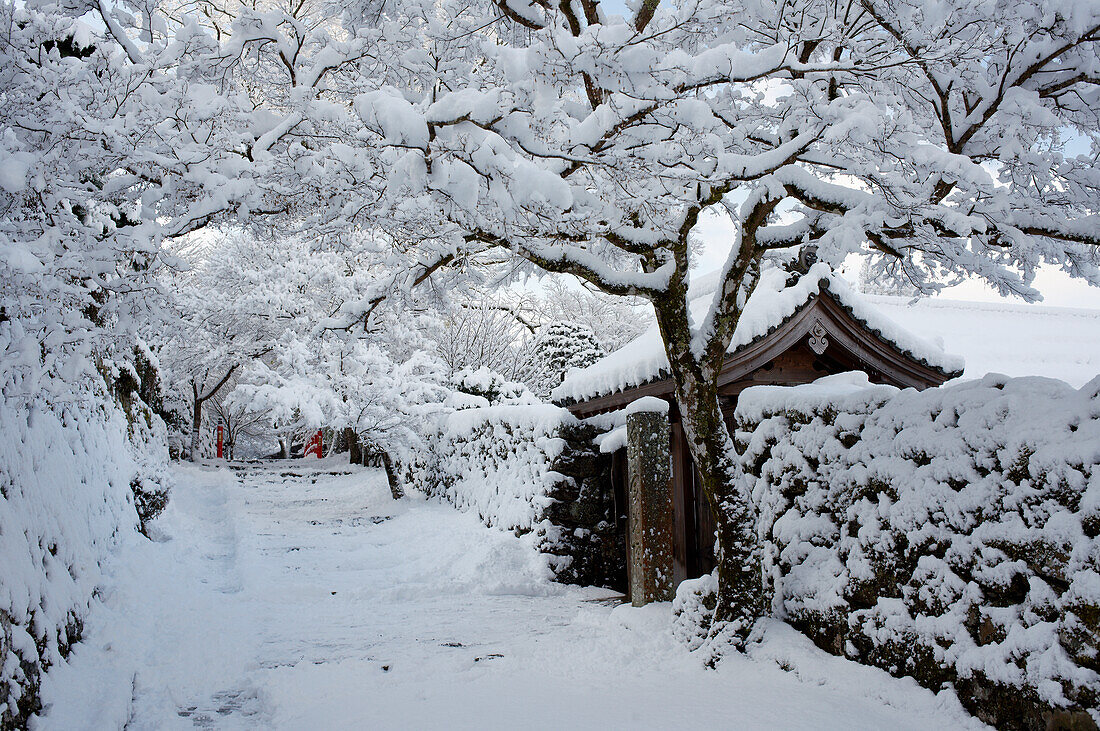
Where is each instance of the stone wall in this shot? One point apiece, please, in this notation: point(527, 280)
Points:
point(584, 511)
point(533, 470)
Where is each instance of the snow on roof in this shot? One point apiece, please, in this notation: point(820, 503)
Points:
point(643, 359)
point(1011, 338)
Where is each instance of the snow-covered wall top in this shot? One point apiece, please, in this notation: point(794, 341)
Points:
point(495, 461)
point(1012, 338)
point(643, 359)
point(949, 534)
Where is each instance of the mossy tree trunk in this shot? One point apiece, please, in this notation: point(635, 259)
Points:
point(696, 353)
point(740, 585)
point(695, 361)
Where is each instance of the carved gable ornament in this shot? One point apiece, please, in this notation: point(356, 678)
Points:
point(818, 342)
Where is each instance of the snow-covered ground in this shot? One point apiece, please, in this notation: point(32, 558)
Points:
point(291, 597)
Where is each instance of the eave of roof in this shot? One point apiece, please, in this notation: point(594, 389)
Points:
point(605, 378)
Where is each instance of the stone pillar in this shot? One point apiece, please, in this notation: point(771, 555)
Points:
point(650, 497)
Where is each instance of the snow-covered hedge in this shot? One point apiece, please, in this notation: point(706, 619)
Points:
point(495, 461)
point(71, 464)
point(535, 470)
point(949, 534)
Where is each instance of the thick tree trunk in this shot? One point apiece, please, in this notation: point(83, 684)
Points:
point(740, 582)
point(354, 454)
point(196, 425)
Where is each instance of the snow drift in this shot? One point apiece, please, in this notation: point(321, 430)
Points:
point(70, 465)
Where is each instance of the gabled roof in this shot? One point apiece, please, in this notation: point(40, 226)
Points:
point(773, 310)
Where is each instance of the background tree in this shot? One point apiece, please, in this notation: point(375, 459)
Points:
point(354, 385)
point(557, 347)
point(219, 322)
point(614, 321)
point(248, 428)
point(489, 332)
point(885, 276)
point(246, 295)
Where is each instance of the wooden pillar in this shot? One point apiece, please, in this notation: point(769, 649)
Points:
point(650, 495)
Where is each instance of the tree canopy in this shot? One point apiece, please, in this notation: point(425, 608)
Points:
point(447, 140)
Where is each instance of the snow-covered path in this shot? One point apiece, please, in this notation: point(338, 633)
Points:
point(292, 598)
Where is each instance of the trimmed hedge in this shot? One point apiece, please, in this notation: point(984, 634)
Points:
point(949, 535)
point(534, 470)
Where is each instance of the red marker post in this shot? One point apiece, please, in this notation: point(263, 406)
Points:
point(221, 441)
point(314, 446)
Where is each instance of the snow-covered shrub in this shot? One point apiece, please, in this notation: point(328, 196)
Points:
point(495, 461)
point(134, 385)
point(949, 534)
point(151, 483)
point(71, 465)
point(692, 609)
point(558, 347)
point(492, 387)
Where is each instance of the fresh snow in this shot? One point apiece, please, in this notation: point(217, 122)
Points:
point(644, 359)
point(612, 441)
point(297, 595)
point(753, 404)
point(647, 404)
point(1015, 339)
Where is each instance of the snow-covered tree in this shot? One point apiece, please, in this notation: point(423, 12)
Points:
point(250, 429)
point(885, 276)
point(354, 385)
point(217, 325)
point(932, 133)
point(247, 296)
point(494, 388)
point(941, 134)
point(76, 257)
point(557, 347)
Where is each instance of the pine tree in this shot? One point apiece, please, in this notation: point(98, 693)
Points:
point(558, 347)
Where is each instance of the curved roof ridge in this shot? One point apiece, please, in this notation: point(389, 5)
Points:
point(643, 359)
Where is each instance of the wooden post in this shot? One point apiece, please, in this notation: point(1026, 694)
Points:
point(650, 496)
